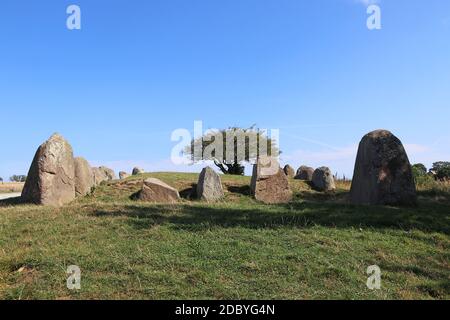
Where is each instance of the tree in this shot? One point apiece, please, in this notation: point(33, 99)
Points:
point(231, 148)
point(420, 175)
point(1, 180)
point(419, 170)
point(439, 165)
point(18, 178)
point(442, 170)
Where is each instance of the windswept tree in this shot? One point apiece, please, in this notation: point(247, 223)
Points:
point(18, 178)
point(231, 148)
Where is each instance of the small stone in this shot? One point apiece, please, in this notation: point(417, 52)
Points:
point(304, 173)
point(137, 171)
point(209, 186)
point(154, 190)
point(123, 175)
point(269, 182)
point(323, 179)
point(289, 171)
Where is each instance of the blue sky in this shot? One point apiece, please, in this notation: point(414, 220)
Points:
point(137, 70)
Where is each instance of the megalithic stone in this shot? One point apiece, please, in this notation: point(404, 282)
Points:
point(51, 178)
point(269, 182)
point(383, 173)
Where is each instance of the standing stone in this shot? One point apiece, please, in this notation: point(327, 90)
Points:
point(84, 179)
point(102, 174)
point(269, 182)
point(383, 174)
point(304, 173)
point(137, 171)
point(323, 179)
point(209, 186)
point(123, 175)
point(98, 176)
point(289, 171)
point(51, 178)
point(154, 190)
point(109, 173)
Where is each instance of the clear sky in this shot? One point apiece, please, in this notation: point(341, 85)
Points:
point(137, 70)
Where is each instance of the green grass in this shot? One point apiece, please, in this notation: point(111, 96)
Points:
point(317, 247)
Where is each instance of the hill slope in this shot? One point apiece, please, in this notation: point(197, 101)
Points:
point(318, 246)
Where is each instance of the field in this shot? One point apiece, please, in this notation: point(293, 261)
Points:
point(317, 247)
point(10, 187)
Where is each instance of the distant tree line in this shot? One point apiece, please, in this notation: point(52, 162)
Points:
point(439, 171)
point(17, 178)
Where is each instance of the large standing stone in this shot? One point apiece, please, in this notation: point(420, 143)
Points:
point(137, 171)
point(269, 182)
point(154, 190)
point(209, 186)
point(323, 179)
point(84, 178)
point(383, 174)
point(304, 173)
point(289, 171)
point(51, 178)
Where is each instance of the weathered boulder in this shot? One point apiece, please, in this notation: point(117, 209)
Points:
point(123, 175)
point(209, 186)
point(323, 179)
point(154, 190)
point(51, 178)
point(383, 174)
point(289, 171)
point(269, 182)
point(304, 173)
point(98, 176)
point(137, 171)
point(84, 179)
point(109, 173)
point(101, 174)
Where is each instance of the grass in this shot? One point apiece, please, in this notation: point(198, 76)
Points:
point(9, 187)
point(317, 247)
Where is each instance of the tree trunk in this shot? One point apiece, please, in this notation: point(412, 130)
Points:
point(231, 169)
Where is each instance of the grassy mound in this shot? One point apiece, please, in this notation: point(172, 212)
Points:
point(318, 246)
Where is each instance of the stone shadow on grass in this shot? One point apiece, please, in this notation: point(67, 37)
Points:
point(196, 217)
point(243, 190)
point(12, 202)
point(189, 193)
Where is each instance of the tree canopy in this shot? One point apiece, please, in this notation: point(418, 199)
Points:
point(18, 178)
point(442, 170)
point(230, 148)
point(419, 169)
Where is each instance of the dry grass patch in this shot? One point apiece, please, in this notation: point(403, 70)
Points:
point(11, 187)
